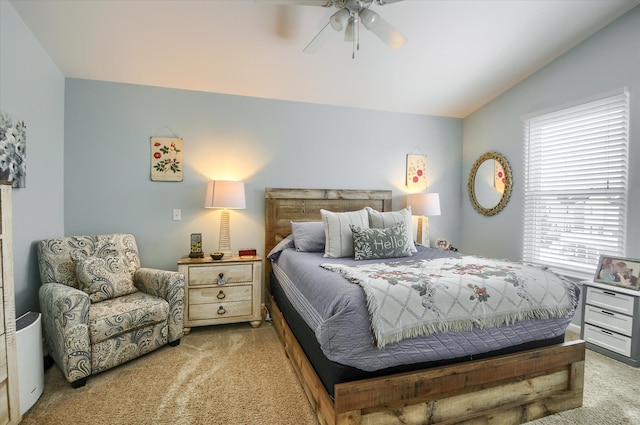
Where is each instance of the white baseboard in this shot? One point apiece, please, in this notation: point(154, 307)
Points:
point(574, 328)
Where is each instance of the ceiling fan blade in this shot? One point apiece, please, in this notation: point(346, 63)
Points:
point(382, 29)
point(383, 2)
point(322, 3)
point(319, 40)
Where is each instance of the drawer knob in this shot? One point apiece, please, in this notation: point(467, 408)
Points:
point(221, 295)
point(221, 279)
point(221, 310)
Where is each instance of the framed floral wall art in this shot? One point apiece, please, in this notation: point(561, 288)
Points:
point(416, 172)
point(13, 150)
point(166, 159)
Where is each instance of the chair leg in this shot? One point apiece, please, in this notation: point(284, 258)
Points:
point(175, 343)
point(79, 383)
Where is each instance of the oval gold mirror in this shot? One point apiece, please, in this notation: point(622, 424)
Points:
point(490, 183)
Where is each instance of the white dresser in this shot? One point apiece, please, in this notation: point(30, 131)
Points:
point(611, 321)
point(9, 401)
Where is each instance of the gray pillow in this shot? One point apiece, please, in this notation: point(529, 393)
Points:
point(382, 220)
point(389, 242)
point(338, 237)
point(308, 236)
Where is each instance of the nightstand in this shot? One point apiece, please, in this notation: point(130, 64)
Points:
point(221, 291)
point(611, 321)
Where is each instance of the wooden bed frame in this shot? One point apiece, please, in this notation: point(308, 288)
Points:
point(507, 389)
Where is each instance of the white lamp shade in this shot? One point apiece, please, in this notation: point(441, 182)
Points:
point(424, 204)
point(225, 194)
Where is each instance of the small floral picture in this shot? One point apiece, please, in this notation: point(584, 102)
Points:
point(416, 172)
point(166, 159)
point(13, 150)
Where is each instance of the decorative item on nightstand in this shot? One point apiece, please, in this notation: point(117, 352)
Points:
point(226, 195)
point(423, 205)
point(196, 246)
point(618, 271)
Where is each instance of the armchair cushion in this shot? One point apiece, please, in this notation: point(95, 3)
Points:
point(120, 315)
point(103, 278)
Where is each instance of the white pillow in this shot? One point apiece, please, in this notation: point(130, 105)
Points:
point(338, 236)
point(384, 220)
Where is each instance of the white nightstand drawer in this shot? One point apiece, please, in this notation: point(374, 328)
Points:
point(220, 310)
point(232, 273)
point(610, 300)
point(610, 340)
point(609, 320)
point(221, 293)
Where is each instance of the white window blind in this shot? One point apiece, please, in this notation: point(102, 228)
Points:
point(575, 194)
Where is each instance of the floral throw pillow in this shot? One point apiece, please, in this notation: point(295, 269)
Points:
point(381, 243)
point(102, 278)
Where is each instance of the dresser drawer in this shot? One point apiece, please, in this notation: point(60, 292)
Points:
point(232, 273)
point(3, 358)
point(4, 403)
point(610, 340)
point(1, 313)
point(220, 310)
point(609, 320)
point(610, 300)
point(220, 293)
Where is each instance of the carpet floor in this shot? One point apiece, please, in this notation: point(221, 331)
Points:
point(235, 374)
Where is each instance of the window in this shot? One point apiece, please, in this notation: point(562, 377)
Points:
point(575, 188)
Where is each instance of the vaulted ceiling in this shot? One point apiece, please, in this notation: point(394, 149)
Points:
point(460, 54)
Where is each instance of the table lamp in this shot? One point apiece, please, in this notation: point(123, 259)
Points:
point(227, 195)
point(423, 205)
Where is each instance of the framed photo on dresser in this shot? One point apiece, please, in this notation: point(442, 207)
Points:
point(618, 271)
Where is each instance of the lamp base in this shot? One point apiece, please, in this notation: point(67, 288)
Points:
point(423, 231)
point(224, 241)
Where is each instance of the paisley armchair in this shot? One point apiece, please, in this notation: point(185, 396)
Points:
point(100, 308)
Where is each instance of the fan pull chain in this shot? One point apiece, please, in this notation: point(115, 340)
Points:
point(355, 43)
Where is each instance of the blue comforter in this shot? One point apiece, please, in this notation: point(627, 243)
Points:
point(337, 312)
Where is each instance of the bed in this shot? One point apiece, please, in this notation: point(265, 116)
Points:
point(512, 385)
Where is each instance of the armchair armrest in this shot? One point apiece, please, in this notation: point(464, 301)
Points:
point(65, 319)
point(169, 286)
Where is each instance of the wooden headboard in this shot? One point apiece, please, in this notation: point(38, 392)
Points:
point(282, 206)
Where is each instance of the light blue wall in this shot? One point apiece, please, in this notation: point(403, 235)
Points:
point(265, 143)
point(32, 89)
point(608, 60)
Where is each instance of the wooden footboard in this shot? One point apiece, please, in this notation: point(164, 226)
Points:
point(508, 389)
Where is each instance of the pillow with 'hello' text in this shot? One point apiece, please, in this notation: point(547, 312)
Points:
point(389, 242)
point(382, 220)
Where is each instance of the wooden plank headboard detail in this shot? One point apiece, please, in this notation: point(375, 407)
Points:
point(282, 206)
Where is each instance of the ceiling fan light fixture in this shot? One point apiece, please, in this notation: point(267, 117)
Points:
point(349, 33)
point(338, 19)
point(369, 18)
point(382, 29)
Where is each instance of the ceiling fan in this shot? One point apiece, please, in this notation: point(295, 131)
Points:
point(350, 14)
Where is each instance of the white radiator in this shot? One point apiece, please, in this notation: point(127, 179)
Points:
point(30, 359)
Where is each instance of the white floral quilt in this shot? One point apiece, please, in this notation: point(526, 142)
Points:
point(420, 297)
